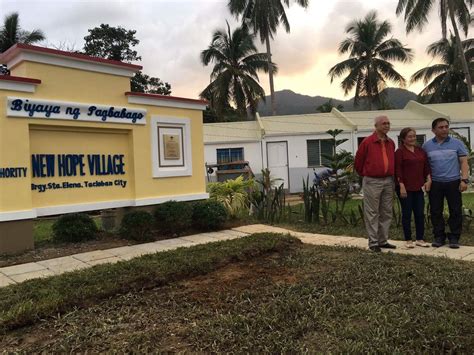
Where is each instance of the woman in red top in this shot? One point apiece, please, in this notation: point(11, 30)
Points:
point(412, 173)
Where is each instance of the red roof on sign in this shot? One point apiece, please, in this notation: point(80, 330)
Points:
point(19, 79)
point(165, 97)
point(20, 47)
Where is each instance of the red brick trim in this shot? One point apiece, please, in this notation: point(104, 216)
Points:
point(19, 47)
point(20, 79)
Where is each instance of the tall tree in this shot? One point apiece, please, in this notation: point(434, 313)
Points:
point(445, 82)
point(234, 78)
point(369, 66)
point(116, 43)
point(416, 16)
point(150, 85)
point(11, 33)
point(264, 17)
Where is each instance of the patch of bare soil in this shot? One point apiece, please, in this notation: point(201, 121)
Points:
point(105, 241)
point(161, 319)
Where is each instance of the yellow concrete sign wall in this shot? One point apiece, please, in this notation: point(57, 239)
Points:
point(79, 166)
point(74, 138)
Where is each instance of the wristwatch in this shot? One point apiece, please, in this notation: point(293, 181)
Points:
point(466, 181)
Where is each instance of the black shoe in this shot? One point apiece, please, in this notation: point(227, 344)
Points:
point(388, 246)
point(454, 245)
point(375, 249)
point(437, 243)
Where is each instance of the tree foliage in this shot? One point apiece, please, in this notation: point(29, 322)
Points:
point(458, 11)
point(264, 17)
point(11, 33)
point(144, 83)
point(117, 43)
point(234, 78)
point(445, 81)
point(369, 65)
point(416, 13)
point(328, 106)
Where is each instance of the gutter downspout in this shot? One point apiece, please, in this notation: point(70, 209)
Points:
point(261, 136)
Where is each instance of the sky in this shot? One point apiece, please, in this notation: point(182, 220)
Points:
point(173, 33)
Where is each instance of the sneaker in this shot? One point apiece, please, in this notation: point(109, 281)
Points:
point(375, 249)
point(388, 246)
point(437, 244)
point(422, 243)
point(454, 245)
point(409, 244)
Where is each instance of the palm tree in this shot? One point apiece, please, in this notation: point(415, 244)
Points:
point(369, 64)
point(234, 78)
point(11, 33)
point(328, 106)
point(416, 16)
point(445, 82)
point(264, 17)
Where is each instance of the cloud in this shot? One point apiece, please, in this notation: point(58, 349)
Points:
point(173, 33)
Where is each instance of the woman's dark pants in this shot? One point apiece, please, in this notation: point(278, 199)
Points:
point(413, 203)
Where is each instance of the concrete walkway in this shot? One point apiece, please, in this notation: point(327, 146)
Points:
point(19, 273)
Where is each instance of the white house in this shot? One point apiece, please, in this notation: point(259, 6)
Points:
point(291, 146)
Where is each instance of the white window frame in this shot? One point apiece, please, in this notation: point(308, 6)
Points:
point(171, 122)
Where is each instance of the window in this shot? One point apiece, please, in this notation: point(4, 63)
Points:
point(228, 155)
point(420, 139)
point(317, 149)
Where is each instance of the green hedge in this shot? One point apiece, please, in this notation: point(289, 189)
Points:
point(208, 215)
point(173, 217)
point(75, 227)
point(137, 225)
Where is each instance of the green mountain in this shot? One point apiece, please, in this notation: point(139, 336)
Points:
point(291, 103)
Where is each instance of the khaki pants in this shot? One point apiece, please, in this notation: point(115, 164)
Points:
point(378, 200)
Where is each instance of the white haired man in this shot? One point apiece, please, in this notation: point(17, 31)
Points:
point(375, 162)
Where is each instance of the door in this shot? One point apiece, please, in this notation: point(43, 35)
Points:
point(277, 161)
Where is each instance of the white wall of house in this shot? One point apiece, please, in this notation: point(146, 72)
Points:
point(298, 168)
point(252, 154)
point(465, 129)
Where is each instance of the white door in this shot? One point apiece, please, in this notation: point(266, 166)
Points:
point(277, 158)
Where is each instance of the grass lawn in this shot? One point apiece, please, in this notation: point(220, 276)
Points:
point(340, 228)
point(263, 293)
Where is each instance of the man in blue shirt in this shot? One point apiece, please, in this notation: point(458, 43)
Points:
point(449, 174)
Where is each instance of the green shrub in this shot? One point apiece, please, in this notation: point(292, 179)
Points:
point(233, 194)
point(174, 217)
point(75, 227)
point(208, 215)
point(137, 225)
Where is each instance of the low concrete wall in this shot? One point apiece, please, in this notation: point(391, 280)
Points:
point(16, 236)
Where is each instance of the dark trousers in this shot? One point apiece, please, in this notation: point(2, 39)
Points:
point(414, 204)
point(449, 191)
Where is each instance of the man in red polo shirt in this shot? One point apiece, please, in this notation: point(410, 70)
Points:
point(375, 162)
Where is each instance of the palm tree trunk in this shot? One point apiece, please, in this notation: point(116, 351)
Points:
point(369, 94)
point(461, 55)
point(270, 75)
